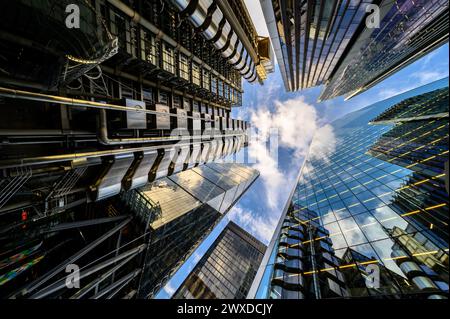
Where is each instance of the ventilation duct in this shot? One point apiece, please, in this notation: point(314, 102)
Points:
point(211, 22)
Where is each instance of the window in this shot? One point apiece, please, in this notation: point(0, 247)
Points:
point(226, 91)
point(148, 51)
point(176, 101)
point(184, 66)
point(220, 88)
point(206, 80)
point(168, 58)
point(187, 104)
point(148, 96)
point(196, 74)
point(214, 84)
point(163, 98)
point(195, 106)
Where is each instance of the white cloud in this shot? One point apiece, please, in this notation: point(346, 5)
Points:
point(169, 289)
point(294, 121)
point(261, 227)
point(196, 257)
point(270, 174)
point(323, 144)
point(428, 76)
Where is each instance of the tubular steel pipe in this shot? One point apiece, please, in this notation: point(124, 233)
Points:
point(83, 155)
point(103, 132)
point(227, 38)
point(39, 97)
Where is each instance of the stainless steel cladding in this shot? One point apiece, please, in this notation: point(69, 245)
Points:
point(135, 120)
point(240, 141)
point(216, 122)
point(195, 155)
point(206, 122)
point(140, 176)
point(212, 151)
point(163, 168)
point(110, 183)
point(160, 121)
point(224, 124)
point(182, 155)
point(210, 20)
point(230, 124)
point(195, 123)
point(181, 120)
point(219, 150)
point(205, 153)
point(235, 125)
point(231, 147)
point(226, 146)
point(235, 144)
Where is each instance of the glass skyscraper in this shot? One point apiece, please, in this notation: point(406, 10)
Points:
point(188, 206)
point(369, 214)
point(349, 46)
point(141, 238)
point(227, 269)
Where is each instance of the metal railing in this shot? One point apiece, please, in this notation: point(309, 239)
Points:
point(146, 210)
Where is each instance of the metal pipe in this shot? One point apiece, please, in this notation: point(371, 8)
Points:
point(32, 96)
point(128, 255)
point(105, 140)
point(43, 133)
point(198, 18)
point(84, 155)
point(40, 281)
point(124, 280)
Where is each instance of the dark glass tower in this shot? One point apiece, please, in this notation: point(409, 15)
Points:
point(369, 215)
point(189, 205)
point(337, 44)
point(227, 269)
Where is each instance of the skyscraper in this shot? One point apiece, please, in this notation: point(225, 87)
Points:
point(227, 269)
point(369, 215)
point(157, 228)
point(341, 45)
point(101, 103)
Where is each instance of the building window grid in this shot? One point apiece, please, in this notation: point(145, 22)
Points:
point(184, 67)
point(196, 74)
point(219, 257)
point(366, 210)
point(168, 58)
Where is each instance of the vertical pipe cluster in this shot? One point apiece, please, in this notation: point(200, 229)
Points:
point(212, 23)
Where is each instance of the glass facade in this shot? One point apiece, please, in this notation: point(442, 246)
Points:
point(182, 210)
point(369, 215)
point(331, 43)
point(312, 36)
point(407, 31)
point(227, 269)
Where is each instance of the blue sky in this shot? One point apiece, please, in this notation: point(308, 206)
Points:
point(297, 116)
